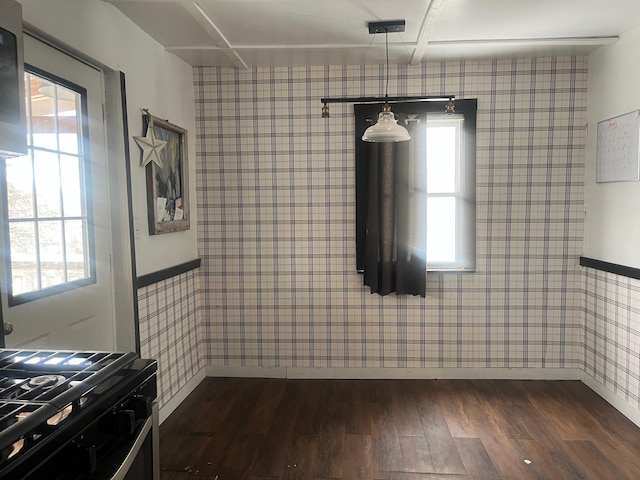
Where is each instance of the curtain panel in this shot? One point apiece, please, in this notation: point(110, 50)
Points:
point(391, 196)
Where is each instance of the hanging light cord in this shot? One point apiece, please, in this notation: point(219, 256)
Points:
point(386, 43)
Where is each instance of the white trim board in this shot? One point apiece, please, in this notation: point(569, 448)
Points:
point(398, 373)
point(173, 403)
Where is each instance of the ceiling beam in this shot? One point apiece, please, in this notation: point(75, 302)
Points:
point(214, 32)
point(530, 42)
point(508, 42)
point(429, 20)
point(264, 46)
point(146, 1)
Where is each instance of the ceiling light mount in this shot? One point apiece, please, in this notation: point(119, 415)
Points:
point(386, 129)
point(389, 26)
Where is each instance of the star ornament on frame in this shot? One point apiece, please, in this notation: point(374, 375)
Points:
point(151, 146)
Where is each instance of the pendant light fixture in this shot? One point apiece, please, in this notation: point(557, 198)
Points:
point(386, 128)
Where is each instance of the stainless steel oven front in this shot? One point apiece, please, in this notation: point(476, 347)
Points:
point(138, 458)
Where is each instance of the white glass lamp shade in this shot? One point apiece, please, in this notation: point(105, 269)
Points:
point(386, 129)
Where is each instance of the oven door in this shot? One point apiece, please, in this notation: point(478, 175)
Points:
point(138, 459)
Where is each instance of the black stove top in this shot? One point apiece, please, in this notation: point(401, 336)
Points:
point(47, 397)
point(55, 376)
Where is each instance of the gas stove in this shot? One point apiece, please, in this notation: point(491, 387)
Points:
point(63, 414)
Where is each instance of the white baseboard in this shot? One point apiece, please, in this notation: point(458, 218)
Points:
point(398, 373)
point(173, 403)
point(255, 372)
point(617, 402)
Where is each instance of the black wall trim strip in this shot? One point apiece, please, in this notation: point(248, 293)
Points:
point(155, 277)
point(132, 242)
point(623, 270)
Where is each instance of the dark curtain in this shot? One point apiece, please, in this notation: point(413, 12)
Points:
point(391, 204)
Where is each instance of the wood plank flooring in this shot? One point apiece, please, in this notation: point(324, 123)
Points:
point(259, 429)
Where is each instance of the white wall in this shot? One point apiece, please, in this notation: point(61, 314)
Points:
point(612, 233)
point(155, 79)
point(612, 226)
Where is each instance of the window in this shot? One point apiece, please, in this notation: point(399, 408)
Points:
point(449, 202)
point(450, 195)
point(46, 211)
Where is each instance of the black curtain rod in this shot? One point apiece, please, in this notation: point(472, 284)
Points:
point(429, 98)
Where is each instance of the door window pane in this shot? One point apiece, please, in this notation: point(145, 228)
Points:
point(47, 177)
point(42, 113)
point(70, 174)
point(24, 264)
point(19, 176)
point(75, 242)
point(52, 262)
point(69, 120)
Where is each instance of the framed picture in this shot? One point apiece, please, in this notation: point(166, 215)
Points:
point(168, 187)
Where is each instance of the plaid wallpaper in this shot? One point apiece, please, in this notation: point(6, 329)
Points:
point(275, 193)
point(170, 331)
point(612, 333)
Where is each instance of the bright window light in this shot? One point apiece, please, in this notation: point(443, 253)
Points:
point(445, 210)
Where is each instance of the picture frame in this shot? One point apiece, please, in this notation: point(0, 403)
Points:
point(168, 187)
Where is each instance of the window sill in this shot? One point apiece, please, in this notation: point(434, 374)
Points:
point(451, 270)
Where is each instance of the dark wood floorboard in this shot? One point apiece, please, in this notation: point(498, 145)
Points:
point(268, 429)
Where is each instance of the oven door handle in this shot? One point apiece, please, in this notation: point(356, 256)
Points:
point(124, 468)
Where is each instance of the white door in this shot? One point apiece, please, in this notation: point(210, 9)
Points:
point(55, 278)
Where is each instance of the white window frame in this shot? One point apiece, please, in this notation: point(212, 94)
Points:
point(86, 216)
point(464, 196)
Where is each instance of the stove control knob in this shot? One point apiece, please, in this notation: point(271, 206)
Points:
point(86, 459)
point(142, 407)
point(125, 421)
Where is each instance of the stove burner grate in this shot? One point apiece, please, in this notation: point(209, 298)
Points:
point(43, 381)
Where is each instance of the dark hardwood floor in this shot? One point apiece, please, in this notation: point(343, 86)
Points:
point(233, 429)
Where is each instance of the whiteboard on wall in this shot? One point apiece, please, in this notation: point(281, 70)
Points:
point(617, 149)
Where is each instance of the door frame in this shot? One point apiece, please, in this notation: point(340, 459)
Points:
point(122, 254)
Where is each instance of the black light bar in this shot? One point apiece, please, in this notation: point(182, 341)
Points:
point(427, 98)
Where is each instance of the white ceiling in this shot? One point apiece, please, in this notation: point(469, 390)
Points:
point(249, 33)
